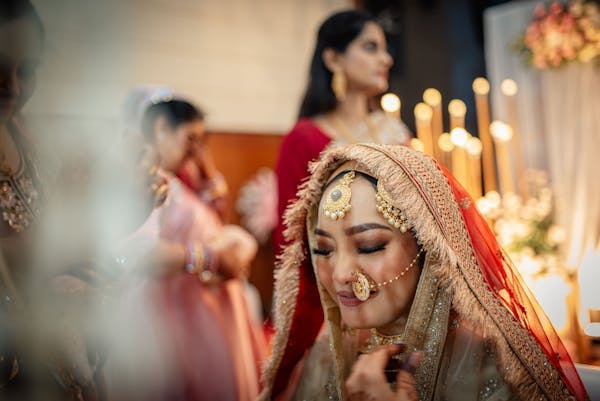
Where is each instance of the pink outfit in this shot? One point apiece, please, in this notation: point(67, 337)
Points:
point(214, 347)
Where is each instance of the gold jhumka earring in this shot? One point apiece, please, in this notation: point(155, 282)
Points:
point(363, 284)
point(337, 203)
point(392, 214)
point(338, 85)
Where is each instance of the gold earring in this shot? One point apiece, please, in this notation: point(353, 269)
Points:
point(392, 214)
point(337, 203)
point(338, 85)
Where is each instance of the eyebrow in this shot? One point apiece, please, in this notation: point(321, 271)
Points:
point(318, 231)
point(365, 227)
point(355, 229)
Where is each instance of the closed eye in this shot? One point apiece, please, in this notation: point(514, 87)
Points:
point(371, 249)
point(321, 251)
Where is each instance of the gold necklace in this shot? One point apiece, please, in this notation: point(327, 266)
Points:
point(350, 135)
point(377, 339)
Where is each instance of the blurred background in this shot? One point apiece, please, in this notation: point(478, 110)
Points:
point(245, 64)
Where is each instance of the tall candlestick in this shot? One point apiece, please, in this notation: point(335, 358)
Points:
point(457, 110)
point(502, 133)
point(509, 89)
point(459, 137)
point(474, 149)
point(390, 103)
point(481, 87)
point(445, 147)
point(433, 98)
point(423, 115)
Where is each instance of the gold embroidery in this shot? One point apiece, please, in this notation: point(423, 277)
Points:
point(18, 201)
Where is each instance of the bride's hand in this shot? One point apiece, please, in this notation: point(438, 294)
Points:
point(367, 381)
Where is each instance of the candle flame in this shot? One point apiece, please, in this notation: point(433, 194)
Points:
point(390, 102)
point(445, 143)
point(457, 108)
point(417, 144)
point(481, 86)
point(474, 146)
point(423, 112)
point(459, 137)
point(500, 131)
point(432, 97)
point(509, 87)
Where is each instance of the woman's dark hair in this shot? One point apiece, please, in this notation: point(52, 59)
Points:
point(335, 33)
point(11, 10)
point(175, 112)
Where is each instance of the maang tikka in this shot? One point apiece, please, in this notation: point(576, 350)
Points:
point(337, 203)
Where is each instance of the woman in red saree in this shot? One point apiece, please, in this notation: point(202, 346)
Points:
point(402, 256)
point(349, 68)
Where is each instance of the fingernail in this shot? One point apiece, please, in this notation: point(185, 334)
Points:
point(401, 347)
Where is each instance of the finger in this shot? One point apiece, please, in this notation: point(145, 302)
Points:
point(411, 363)
point(380, 356)
point(405, 381)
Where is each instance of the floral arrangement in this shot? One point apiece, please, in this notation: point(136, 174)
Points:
point(525, 228)
point(257, 204)
point(561, 33)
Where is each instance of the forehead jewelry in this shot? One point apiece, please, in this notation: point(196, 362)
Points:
point(337, 203)
point(363, 284)
point(392, 214)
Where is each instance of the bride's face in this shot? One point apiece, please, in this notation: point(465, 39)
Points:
point(363, 241)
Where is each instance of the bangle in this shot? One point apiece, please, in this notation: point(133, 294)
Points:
point(209, 265)
point(191, 258)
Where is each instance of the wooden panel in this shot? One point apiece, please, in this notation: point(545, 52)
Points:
point(239, 156)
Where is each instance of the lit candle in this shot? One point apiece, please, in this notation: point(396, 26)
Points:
point(390, 103)
point(509, 89)
point(433, 98)
point(457, 110)
point(481, 87)
point(446, 146)
point(474, 149)
point(423, 115)
point(459, 138)
point(417, 144)
point(502, 133)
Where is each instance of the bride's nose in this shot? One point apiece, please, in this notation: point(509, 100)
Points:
point(344, 266)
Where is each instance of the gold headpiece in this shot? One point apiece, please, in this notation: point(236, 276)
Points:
point(337, 203)
point(363, 284)
point(392, 214)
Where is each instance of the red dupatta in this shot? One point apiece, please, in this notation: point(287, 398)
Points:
point(504, 280)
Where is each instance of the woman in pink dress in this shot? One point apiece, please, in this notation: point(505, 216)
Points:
point(210, 347)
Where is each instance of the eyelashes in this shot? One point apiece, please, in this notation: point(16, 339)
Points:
point(322, 252)
point(371, 249)
point(364, 250)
